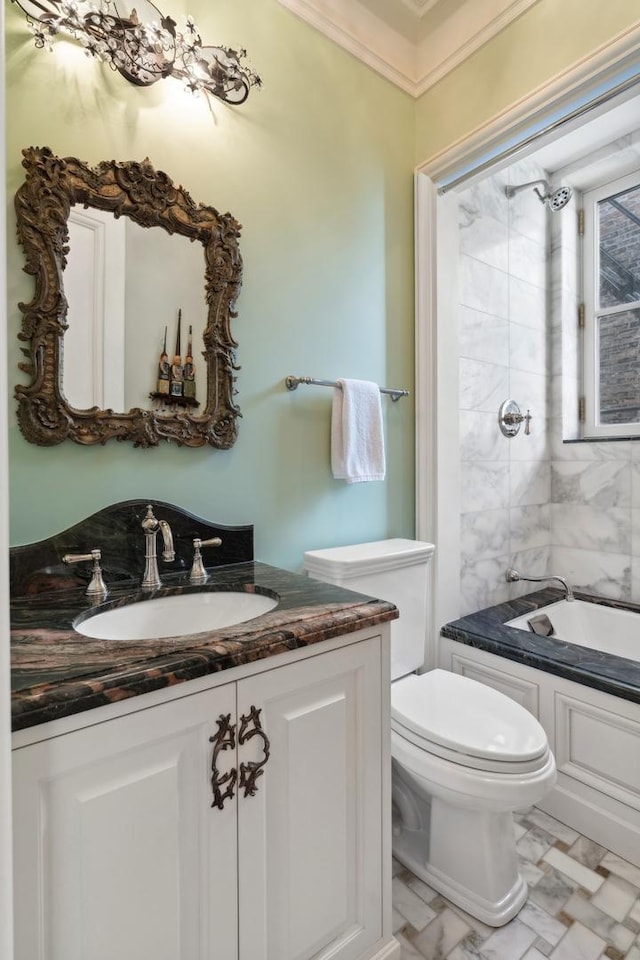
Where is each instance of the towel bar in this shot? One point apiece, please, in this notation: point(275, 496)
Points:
point(292, 383)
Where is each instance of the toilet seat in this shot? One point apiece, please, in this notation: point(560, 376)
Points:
point(481, 764)
point(467, 723)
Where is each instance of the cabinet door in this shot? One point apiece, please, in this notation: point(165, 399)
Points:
point(118, 852)
point(310, 838)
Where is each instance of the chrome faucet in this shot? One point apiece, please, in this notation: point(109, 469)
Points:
point(150, 525)
point(512, 576)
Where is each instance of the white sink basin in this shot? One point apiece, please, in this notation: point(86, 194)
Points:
point(176, 616)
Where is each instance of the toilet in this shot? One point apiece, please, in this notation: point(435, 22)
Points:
point(464, 756)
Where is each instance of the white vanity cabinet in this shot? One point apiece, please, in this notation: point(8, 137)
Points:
point(119, 852)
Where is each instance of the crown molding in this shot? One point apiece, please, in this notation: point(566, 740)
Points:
point(420, 7)
point(363, 35)
point(412, 64)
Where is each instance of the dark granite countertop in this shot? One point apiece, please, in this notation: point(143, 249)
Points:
point(57, 672)
point(487, 630)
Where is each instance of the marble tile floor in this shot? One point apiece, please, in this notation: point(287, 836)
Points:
point(584, 904)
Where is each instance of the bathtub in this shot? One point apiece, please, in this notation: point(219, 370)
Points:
point(610, 629)
point(583, 684)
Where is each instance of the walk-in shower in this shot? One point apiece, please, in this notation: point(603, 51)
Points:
point(555, 200)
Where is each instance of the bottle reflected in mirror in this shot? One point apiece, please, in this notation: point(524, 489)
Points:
point(176, 381)
point(164, 369)
point(188, 370)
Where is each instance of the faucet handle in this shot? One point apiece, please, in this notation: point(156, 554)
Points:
point(198, 573)
point(97, 587)
point(149, 524)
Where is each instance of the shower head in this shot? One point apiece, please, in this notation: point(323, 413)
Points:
point(555, 201)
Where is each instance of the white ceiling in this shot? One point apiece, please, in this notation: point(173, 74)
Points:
point(406, 17)
point(413, 43)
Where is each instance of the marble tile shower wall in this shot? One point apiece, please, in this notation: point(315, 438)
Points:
point(536, 503)
point(505, 492)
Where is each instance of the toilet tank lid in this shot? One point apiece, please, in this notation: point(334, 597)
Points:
point(365, 558)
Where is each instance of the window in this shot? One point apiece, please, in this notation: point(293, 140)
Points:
point(611, 268)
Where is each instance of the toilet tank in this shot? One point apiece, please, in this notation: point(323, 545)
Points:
point(393, 570)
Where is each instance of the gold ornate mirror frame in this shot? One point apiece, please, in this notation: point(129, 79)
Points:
point(149, 197)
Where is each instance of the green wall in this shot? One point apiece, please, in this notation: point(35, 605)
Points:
point(318, 169)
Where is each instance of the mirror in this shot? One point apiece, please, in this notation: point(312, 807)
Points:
point(107, 288)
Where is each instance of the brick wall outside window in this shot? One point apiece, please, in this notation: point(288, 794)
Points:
point(620, 333)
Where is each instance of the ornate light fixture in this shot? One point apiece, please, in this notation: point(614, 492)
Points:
point(142, 44)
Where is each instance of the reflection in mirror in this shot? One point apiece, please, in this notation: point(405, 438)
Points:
point(93, 374)
point(119, 306)
point(106, 287)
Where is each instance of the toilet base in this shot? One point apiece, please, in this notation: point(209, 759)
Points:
point(467, 856)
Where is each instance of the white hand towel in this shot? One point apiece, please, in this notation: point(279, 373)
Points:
point(357, 440)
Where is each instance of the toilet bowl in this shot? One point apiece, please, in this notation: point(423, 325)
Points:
point(464, 756)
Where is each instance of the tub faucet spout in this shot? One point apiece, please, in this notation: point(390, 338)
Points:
point(151, 579)
point(512, 576)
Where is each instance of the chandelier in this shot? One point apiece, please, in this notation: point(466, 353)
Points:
point(142, 44)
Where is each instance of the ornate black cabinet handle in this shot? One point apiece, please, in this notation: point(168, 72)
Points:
point(224, 739)
point(249, 772)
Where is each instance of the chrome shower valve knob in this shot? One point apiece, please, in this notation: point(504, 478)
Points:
point(510, 418)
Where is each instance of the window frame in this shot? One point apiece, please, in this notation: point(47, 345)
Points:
point(592, 428)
